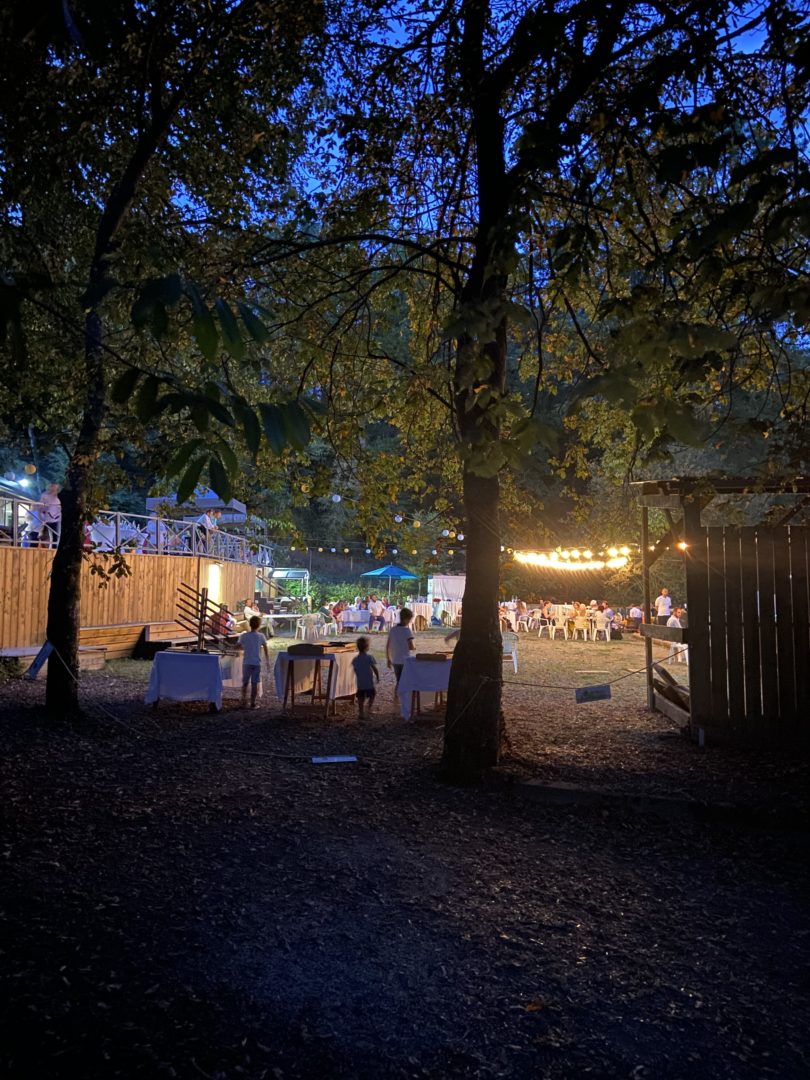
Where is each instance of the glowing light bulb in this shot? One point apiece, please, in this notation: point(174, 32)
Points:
point(333, 550)
point(575, 553)
point(395, 551)
point(320, 549)
point(683, 545)
point(417, 524)
point(434, 552)
point(565, 554)
point(587, 554)
point(450, 551)
point(345, 551)
point(368, 551)
point(413, 552)
point(461, 536)
point(445, 532)
point(452, 535)
point(398, 518)
point(613, 552)
point(292, 547)
point(336, 498)
point(624, 550)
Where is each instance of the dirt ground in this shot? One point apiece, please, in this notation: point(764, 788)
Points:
point(187, 894)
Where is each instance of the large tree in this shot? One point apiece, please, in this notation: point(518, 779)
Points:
point(496, 153)
point(131, 133)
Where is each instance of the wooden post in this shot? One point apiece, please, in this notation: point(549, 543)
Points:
point(203, 614)
point(645, 574)
point(697, 602)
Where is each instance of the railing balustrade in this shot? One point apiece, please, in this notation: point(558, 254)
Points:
point(113, 531)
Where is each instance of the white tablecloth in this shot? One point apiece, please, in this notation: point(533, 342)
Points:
point(452, 608)
point(344, 683)
point(432, 676)
point(181, 676)
point(354, 620)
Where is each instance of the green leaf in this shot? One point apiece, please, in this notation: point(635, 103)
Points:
point(219, 412)
point(220, 481)
point(146, 403)
point(228, 458)
point(252, 429)
point(189, 482)
point(255, 327)
point(232, 338)
point(200, 415)
point(296, 425)
point(273, 427)
point(203, 325)
point(124, 385)
point(183, 456)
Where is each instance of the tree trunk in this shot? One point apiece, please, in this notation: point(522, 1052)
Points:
point(474, 724)
point(64, 599)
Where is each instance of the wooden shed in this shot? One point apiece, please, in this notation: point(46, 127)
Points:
point(748, 632)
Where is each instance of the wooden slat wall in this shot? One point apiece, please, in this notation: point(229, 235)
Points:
point(147, 595)
point(754, 588)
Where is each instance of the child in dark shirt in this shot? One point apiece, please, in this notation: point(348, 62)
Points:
point(365, 670)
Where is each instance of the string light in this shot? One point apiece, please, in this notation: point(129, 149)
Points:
point(445, 532)
point(461, 536)
point(434, 552)
point(336, 498)
point(395, 551)
point(368, 551)
point(417, 524)
point(554, 561)
point(398, 518)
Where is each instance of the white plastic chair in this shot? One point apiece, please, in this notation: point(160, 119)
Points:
point(329, 628)
point(601, 626)
point(580, 627)
point(559, 624)
point(510, 647)
point(544, 624)
point(523, 623)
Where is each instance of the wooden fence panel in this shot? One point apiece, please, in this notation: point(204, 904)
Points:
point(786, 670)
point(734, 627)
point(800, 581)
point(715, 565)
point(767, 625)
point(697, 598)
point(750, 627)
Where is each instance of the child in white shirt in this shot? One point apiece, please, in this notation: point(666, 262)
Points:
point(252, 644)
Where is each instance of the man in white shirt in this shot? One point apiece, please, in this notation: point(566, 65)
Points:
point(376, 613)
point(663, 607)
point(636, 613)
point(208, 524)
point(677, 650)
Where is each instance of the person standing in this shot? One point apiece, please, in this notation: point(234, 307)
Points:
point(663, 607)
point(208, 524)
point(677, 650)
point(400, 643)
point(50, 516)
point(252, 644)
point(366, 673)
point(376, 613)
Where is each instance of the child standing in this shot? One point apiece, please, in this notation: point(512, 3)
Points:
point(252, 644)
point(400, 643)
point(365, 670)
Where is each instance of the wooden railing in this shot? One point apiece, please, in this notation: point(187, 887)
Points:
point(21, 526)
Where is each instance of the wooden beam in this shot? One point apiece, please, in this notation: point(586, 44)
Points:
point(645, 576)
point(670, 709)
point(665, 633)
point(661, 502)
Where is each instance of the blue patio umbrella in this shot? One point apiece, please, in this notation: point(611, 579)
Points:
point(391, 571)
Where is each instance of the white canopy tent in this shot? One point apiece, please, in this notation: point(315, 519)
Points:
point(446, 587)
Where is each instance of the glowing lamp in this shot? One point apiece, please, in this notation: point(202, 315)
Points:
point(398, 518)
point(613, 552)
point(336, 498)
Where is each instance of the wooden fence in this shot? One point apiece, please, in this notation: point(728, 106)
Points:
point(749, 632)
point(147, 595)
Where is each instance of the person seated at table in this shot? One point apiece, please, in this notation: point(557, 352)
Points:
point(376, 610)
point(505, 617)
point(366, 673)
point(222, 622)
point(635, 617)
point(400, 643)
point(252, 644)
